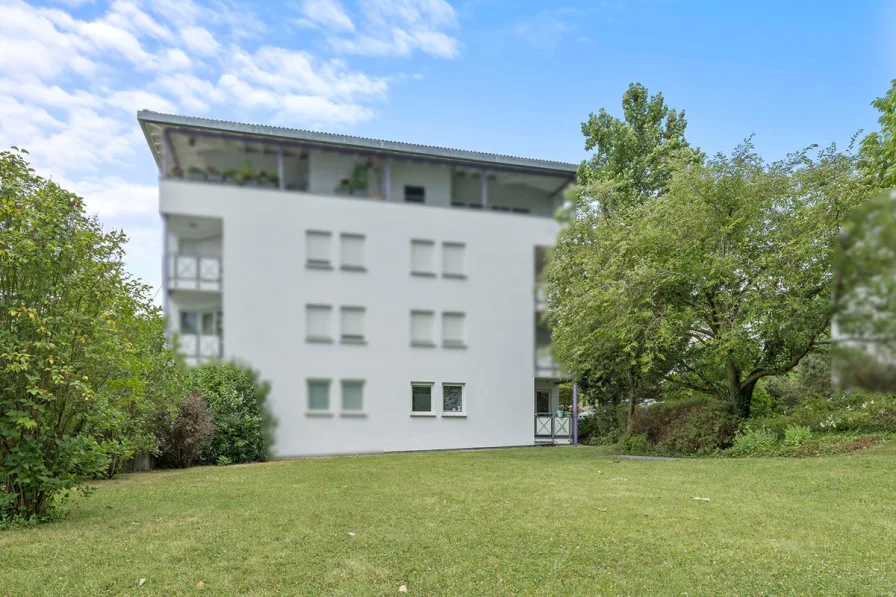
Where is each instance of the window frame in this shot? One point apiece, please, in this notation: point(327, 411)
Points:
point(463, 399)
point(430, 343)
point(352, 267)
point(352, 339)
point(319, 263)
point(462, 275)
point(319, 339)
point(318, 412)
point(459, 344)
point(350, 412)
point(421, 413)
point(421, 273)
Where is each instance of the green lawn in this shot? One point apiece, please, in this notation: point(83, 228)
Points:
point(539, 521)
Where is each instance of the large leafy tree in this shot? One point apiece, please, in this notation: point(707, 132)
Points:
point(719, 282)
point(879, 148)
point(81, 345)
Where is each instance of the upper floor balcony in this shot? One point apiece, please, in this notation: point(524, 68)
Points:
point(260, 157)
point(193, 253)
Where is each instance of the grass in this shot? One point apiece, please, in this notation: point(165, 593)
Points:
point(540, 521)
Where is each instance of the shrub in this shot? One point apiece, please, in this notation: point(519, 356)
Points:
point(636, 443)
point(183, 436)
point(242, 422)
point(755, 442)
point(605, 426)
point(694, 425)
point(795, 436)
point(841, 411)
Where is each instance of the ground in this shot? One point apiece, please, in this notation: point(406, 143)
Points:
point(532, 521)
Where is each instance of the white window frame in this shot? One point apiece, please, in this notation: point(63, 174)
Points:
point(463, 399)
point(352, 267)
point(461, 275)
point(343, 339)
point(431, 273)
point(432, 403)
point(430, 342)
point(462, 343)
point(328, 339)
point(319, 412)
point(318, 263)
point(350, 412)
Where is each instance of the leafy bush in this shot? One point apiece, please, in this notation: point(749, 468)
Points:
point(183, 436)
point(695, 425)
point(795, 436)
point(605, 426)
point(636, 443)
point(242, 422)
point(841, 411)
point(754, 442)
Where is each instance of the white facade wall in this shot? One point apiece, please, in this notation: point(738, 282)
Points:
point(267, 286)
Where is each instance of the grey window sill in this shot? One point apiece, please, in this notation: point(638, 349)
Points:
point(455, 276)
point(453, 345)
point(353, 413)
point(353, 268)
point(318, 413)
point(423, 274)
point(318, 340)
point(454, 415)
point(423, 414)
point(316, 265)
point(355, 341)
point(418, 344)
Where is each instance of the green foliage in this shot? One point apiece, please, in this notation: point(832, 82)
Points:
point(754, 442)
point(795, 436)
point(186, 433)
point(879, 148)
point(696, 425)
point(243, 423)
point(638, 444)
point(853, 411)
point(80, 343)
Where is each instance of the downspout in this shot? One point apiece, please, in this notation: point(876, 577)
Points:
point(575, 413)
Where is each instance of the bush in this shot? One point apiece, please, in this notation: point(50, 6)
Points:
point(605, 426)
point(694, 425)
point(636, 443)
point(183, 436)
point(242, 422)
point(754, 442)
point(795, 436)
point(842, 411)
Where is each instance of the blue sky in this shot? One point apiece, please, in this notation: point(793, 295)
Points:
point(515, 77)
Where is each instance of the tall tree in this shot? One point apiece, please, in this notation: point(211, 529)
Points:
point(878, 155)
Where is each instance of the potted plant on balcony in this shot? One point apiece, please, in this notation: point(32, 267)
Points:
point(265, 179)
point(212, 174)
point(177, 172)
point(360, 180)
point(344, 187)
point(231, 175)
point(195, 173)
point(247, 175)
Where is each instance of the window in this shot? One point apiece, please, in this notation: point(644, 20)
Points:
point(352, 252)
point(453, 330)
point(414, 194)
point(318, 395)
point(208, 324)
point(453, 403)
point(317, 323)
point(423, 258)
point(317, 249)
point(352, 325)
point(188, 246)
point(352, 396)
point(421, 399)
point(422, 324)
point(189, 322)
point(454, 260)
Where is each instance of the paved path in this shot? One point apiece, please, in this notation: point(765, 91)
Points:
point(628, 457)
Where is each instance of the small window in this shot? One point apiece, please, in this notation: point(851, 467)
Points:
point(352, 396)
point(423, 258)
point(352, 252)
point(318, 395)
point(421, 398)
point(454, 330)
point(454, 260)
point(352, 325)
point(414, 194)
point(317, 249)
point(317, 323)
point(208, 324)
point(188, 246)
point(189, 322)
point(422, 324)
point(453, 399)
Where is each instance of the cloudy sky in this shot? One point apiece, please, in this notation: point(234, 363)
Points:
point(512, 76)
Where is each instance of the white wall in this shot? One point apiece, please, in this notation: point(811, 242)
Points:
point(267, 286)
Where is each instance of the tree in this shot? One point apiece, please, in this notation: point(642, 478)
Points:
point(72, 365)
point(878, 154)
point(725, 279)
point(632, 157)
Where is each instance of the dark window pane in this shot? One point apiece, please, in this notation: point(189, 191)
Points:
point(414, 194)
point(421, 399)
point(189, 322)
point(208, 323)
point(453, 399)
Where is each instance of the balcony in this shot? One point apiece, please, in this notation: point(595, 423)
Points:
point(546, 366)
point(200, 348)
point(195, 272)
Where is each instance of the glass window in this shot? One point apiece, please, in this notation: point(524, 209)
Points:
point(352, 251)
point(318, 395)
point(189, 322)
point(422, 324)
point(352, 324)
point(317, 248)
point(208, 324)
point(414, 194)
point(453, 330)
point(421, 398)
point(452, 398)
point(317, 323)
point(454, 260)
point(352, 395)
point(423, 257)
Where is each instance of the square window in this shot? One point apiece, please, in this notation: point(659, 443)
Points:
point(317, 249)
point(317, 323)
point(414, 194)
point(318, 395)
point(454, 260)
point(453, 402)
point(189, 322)
point(421, 398)
point(352, 396)
point(454, 330)
point(422, 324)
point(352, 252)
point(352, 325)
point(423, 254)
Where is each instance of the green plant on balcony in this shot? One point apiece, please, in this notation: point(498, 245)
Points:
point(231, 175)
point(247, 173)
point(360, 179)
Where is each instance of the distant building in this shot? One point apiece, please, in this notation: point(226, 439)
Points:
point(386, 290)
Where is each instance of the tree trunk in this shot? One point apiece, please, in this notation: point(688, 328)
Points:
point(632, 401)
point(743, 399)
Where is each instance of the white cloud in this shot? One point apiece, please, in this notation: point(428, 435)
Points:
point(133, 100)
point(328, 14)
point(200, 41)
point(191, 92)
point(174, 59)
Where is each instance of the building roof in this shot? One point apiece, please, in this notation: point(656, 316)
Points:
point(153, 123)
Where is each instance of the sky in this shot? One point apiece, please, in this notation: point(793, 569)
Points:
point(515, 77)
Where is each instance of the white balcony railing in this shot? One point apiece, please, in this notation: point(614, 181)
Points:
point(200, 348)
point(195, 272)
point(552, 428)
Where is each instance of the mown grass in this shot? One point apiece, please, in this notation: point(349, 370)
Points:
point(540, 521)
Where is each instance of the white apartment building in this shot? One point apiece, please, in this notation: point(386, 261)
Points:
point(388, 291)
